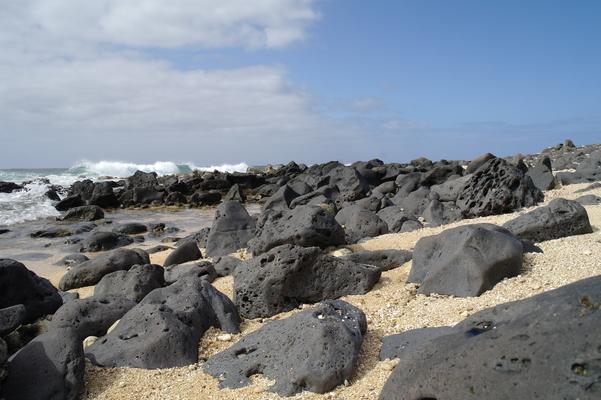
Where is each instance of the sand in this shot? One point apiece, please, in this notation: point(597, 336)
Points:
point(391, 307)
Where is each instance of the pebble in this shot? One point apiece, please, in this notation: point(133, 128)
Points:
point(225, 337)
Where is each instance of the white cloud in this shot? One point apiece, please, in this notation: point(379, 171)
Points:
point(70, 90)
point(176, 23)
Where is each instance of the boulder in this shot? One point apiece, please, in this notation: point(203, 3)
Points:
point(164, 329)
point(202, 269)
point(18, 285)
point(304, 226)
point(188, 251)
point(225, 265)
point(140, 178)
point(9, 187)
point(50, 367)
point(83, 213)
point(558, 219)
point(91, 272)
point(465, 261)
point(542, 174)
point(287, 276)
point(394, 217)
point(588, 200)
point(130, 228)
point(359, 223)
point(103, 241)
point(322, 347)
point(450, 190)
point(175, 198)
point(545, 346)
point(91, 316)
point(200, 238)
point(407, 183)
point(384, 260)
point(147, 195)
point(232, 228)
point(51, 232)
point(497, 187)
point(281, 199)
point(133, 284)
point(69, 202)
point(83, 189)
point(103, 196)
point(11, 318)
point(209, 198)
point(235, 193)
point(441, 212)
point(415, 203)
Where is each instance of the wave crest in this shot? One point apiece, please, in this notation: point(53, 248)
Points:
point(119, 169)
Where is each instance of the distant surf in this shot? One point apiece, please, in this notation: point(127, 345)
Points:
point(32, 203)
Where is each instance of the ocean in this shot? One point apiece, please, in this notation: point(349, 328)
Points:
point(32, 203)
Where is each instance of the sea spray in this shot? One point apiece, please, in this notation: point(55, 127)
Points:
point(32, 203)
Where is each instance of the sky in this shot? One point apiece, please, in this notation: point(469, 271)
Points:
point(264, 81)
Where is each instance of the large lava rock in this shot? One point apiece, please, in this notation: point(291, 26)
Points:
point(546, 346)
point(359, 223)
point(321, 349)
point(497, 187)
point(134, 284)
point(11, 318)
point(103, 241)
point(542, 174)
point(465, 261)
point(304, 226)
point(188, 251)
point(288, 275)
point(558, 219)
point(83, 213)
point(92, 316)
point(91, 272)
point(50, 367)
point(18, 285)
point(232, 228)
point(164, 329)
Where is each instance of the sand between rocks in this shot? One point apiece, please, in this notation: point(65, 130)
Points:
point(391, 307)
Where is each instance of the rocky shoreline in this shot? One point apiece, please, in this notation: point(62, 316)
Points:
point(351, 269)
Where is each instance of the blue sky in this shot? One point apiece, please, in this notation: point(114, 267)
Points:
point(319, 80)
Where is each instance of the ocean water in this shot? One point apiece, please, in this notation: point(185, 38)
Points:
point(31, 203)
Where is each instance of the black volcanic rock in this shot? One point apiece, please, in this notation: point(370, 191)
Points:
point(91, 272)
point(321, 349)
point(497, 187)
point(304, 226)
point(288, 275)
point(51, 367)
point(91, 316)
point(133, 284)
point(558, 219)
point(103, 241)
point(465, 261)
point(164, 329)
point(83, 213)
point(18, 285)
point(541, 347)
point(232, 228)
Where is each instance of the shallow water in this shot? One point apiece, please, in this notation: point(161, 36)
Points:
point(41, 254)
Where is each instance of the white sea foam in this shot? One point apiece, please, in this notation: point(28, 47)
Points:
point(30, 204)
point(26, 205)
point(123, 169)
